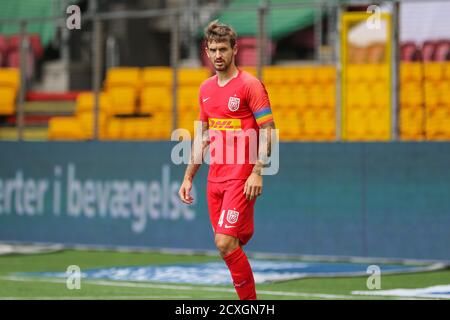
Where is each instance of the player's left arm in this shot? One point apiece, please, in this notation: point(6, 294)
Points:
point(259, 102)
point(254, 184)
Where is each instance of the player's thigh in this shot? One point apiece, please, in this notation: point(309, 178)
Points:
point(237, 212)
point(214, 196)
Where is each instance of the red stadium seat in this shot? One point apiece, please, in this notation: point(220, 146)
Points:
point(35, 44)
point(3, 49)
point(428, 50)
point(409, 52)
point(442, 51)
point(13, 61)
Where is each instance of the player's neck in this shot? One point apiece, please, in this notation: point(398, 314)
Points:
point(225, 76)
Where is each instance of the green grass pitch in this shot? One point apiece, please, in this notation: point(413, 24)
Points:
point(39, 288)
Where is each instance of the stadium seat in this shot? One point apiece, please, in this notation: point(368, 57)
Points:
point(446, 66)
point(409, 51)
point(411, 94)
point(192, 76)
point(411, 123)
point(411, 71)
point(442, 52)
point(274, 75)
point(3, 50)
point(428, 50)
point(86, 102)
point(9, 86)
point(187, 98)
point(434, 71)
point(65, 128)
point(301, 96)
point(326, 74)
point(355, 73)
point(156, 99)
point(157, 76)
point(305, 75)
point(122, 100)
point(123, 77)
point(7, 101)
point(431, 95)
point(79, 127)
point(10, 77)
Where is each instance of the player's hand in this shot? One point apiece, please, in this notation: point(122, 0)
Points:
point(185, 190)
point(253, 186)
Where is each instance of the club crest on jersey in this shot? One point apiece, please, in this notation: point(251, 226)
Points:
point(233, 103)
point(232, 216)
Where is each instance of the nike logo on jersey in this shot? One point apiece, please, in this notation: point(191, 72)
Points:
point(206, 99)
point(228, 227)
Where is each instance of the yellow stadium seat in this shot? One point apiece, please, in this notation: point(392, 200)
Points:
point(443, 91)
point(273, 90)
point(379, 94)
point(65, 128)
point(7, 100)
point(9, 87)
point(354, 73)
point(86, 120)
point(187, 98)
point(301, 96)
point(192, 76)
point(123, 100)
point(86, 101)
point(305, 75)
point(156, 99)
point(438, 124)
point(123, 76)
point(10, 77)
point(317, 96)
point(368, 72)
point(411, 94)
point(411, 123)
point(434, 71)
point(382, 72)
point(431, 94)
point(157, 76)
point(326, 74)
point(113, 129)
point(411, 71)
point(447, 70)
point(274, 75)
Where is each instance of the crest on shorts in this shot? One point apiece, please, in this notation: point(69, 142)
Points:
point(233, 103)
point(232, 216)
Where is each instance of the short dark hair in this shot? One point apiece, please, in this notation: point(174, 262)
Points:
point(219, 32)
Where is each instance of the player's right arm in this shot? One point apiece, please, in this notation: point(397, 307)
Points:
point(195, 162)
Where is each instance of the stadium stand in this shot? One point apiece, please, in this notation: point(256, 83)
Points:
point(137, 103)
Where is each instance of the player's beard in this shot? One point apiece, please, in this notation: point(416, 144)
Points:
point(223, 66)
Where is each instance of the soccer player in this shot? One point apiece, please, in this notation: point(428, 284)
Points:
point(231, 100)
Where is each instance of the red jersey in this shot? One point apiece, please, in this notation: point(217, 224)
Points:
point(238, 108)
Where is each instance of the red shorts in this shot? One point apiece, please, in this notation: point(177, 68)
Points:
point(229, 210)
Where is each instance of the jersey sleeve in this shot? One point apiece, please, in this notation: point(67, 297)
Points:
point(258, 101)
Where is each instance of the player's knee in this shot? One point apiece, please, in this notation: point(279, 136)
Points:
point(226, 244)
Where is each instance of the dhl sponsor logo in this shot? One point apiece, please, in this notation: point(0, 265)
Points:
point(225, 124)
